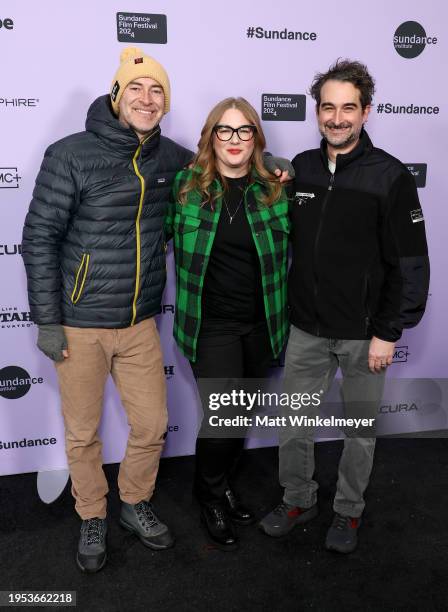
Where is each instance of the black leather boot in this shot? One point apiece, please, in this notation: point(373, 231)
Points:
point(236, 511)
point(219, 528)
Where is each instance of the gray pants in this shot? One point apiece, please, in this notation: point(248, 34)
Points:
point(310, 366)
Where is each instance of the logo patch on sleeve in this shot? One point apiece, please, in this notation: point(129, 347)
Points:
point(417, 215)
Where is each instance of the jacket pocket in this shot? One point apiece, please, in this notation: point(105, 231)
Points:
point(185, 223)
point(80, 278)
point(186, 230)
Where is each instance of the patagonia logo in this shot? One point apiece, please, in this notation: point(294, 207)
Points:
point(161, 180)
point(302, 197)
point(115, 90)
point(417, 215)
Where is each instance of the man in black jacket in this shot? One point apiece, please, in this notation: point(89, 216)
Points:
point(94, 254)
point(359, 275)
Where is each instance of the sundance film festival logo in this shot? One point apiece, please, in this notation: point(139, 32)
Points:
point(410, 39)
point(15, 382)
point(418, 171)
point(169, 371)
point(142, 28)
point(9, 178)
point(283, 107)
point(12, 317)
point(6, 24)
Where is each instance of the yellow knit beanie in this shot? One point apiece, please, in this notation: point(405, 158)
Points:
point(134, 64)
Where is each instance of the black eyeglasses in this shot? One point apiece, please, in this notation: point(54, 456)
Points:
point(225, 132)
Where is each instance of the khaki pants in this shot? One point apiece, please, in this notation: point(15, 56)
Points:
point(134, 359)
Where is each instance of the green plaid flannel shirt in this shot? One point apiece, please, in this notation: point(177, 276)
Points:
point(194, 227)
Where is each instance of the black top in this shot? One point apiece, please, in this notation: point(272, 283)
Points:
point(232, 285)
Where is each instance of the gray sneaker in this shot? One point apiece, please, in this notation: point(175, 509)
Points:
point(141, 520)
point(284, 518)
point(91, 555)
point(342, 535)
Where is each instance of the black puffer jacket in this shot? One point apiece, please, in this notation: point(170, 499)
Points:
point(92, 241)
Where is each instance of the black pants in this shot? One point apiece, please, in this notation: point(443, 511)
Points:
point(226, 349)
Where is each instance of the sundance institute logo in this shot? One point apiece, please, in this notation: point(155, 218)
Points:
point(410, 39)
point(15, 382)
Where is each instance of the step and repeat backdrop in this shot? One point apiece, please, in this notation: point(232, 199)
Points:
point(57, 57)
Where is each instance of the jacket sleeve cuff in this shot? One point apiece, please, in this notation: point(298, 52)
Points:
point(387, 332)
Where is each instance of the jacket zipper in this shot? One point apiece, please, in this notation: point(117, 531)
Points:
point(366, 304)
point(137, 227)
point(85, 259)
point(316, 244)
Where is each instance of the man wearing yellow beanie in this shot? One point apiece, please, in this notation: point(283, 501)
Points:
point(134, 65)
point(140, 92)
point(94, 255)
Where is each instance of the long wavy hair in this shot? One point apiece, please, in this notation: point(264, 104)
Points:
point(205, 158)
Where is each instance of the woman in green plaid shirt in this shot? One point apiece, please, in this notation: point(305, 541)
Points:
point(229, 220)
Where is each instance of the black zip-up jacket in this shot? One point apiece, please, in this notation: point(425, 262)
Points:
point(93, 237)
point(360, 262)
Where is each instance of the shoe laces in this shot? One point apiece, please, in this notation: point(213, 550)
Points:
point(92, 531)
point(146, 515)
point(280, 509)
point(219, 514)
point(341, 522)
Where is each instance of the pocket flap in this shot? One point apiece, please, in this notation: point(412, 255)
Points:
point(184, 223)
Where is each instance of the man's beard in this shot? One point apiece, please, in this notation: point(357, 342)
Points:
point(352, 137)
